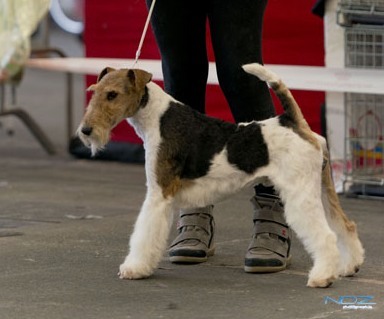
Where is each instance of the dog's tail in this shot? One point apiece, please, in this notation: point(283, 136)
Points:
point(278, 86)
point(288, 102)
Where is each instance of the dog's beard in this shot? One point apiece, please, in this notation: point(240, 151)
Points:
point(97, 141)
point(95, 148)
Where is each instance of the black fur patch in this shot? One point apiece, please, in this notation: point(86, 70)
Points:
point(247, 148)
point(192, 139)
point(145, 97)
point(286, 121)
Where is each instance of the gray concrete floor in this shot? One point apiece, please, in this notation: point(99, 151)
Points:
point(65, 224)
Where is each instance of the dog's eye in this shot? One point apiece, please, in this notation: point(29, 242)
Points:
point(111, 95)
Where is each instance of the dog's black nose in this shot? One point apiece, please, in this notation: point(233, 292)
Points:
point(86, 130)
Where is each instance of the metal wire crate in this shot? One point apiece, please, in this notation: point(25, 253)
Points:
point(365, 137)
point(364, 113)
point(352, 12)
point(364, 47)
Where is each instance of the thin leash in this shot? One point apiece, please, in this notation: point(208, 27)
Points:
point(138, 52)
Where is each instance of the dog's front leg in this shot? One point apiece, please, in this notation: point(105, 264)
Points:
point(149, 238)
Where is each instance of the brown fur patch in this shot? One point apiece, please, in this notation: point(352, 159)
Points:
point(293, 110)
point(336, 210)
point(170, 183)
point(116, 96)
point(168, 170)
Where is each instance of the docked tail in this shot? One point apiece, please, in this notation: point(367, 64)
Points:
point(278, 86)
point(288, 102)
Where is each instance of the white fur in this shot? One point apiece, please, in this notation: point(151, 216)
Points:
point(295, 170)
point(149, 238)
point(261, 72)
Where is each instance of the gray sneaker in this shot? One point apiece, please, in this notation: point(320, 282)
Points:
point(194, 243)
point(269, 250)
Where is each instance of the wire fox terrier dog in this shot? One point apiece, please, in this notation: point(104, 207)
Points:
point(193, 160)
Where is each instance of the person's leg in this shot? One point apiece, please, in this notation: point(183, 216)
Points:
point(180, 31)
point(180, 28)
point(236, 31)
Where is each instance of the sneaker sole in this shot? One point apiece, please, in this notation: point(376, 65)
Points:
point(261, 269)
point(191, 259)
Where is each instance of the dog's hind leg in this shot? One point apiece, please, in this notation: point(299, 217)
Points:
point(351, 249)
point(305, 214)
point(149, 238)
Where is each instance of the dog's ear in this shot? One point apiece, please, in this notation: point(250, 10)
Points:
point(139, 78)
point(104, 72)
point(92, 87)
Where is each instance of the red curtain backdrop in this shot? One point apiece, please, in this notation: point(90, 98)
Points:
point(292, 35)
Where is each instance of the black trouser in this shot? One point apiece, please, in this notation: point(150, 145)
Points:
point(236, 33)
point(236, 28)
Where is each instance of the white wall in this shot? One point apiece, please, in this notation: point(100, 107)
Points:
point(334, 57)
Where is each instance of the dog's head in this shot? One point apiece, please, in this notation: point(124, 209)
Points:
point(118, 94)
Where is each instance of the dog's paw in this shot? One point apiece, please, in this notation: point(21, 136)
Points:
point(350, 271)
point(322, 275)
point(321, 282)
point(321, 279)
point(130, 270)
point(352, 264)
